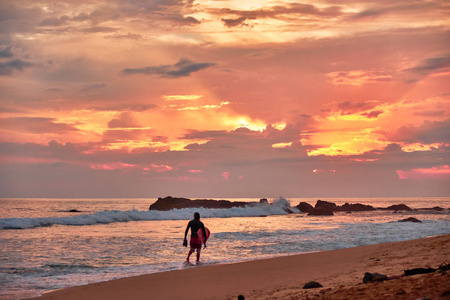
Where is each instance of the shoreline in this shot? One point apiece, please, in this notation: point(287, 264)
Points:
point(282, 277)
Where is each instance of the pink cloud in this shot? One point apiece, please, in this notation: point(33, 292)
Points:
point(158, 168)
point(438, 172)
point(195, 171)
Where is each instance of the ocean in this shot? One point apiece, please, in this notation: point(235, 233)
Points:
point(44, 246)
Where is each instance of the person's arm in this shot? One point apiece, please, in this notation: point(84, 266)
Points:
point(187, 230)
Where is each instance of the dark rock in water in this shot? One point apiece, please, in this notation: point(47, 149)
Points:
point(312, 285)
point(321, 212)
point(397, 207)
point(74, 210)
point(372, 277)
point(240, 297)
point(410, 219)
point(305, 207)
point(419, 271)
point(325, 204)
point(263, 201)
point(169, 203)
point(356, 207)
point(436, 208)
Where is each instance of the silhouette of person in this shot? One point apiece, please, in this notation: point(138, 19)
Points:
point(195, 243)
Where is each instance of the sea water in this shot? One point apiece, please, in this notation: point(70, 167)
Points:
point(46, 247)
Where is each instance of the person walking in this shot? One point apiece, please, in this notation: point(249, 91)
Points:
point(195, 242)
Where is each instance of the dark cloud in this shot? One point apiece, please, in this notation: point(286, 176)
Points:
point(373, 114)
point(55, 22)
point(349, 107)
point(99, 29)
point(274, 12)
point(182, 20)
point(35, 125)
point(182, 68)
point(126, 107)
point(94, 86)
point(6, 51)
point(432, 64)
point(398, 8)
point(54, 90)
point(430, 113)
point(10, 110)
point(236, 22)
point(7, 68)
point(428, 133)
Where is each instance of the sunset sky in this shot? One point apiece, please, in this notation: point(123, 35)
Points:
point(224, 98)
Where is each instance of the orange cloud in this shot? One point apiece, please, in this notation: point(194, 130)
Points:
point(358, 78)
point(111, 166)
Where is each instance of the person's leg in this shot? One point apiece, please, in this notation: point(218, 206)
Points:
point(190, 253)
point(198, 253)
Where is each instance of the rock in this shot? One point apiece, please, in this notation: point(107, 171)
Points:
point(416, 271)
point(169, 203)
point(240, 297)
point(436, 208)
point(410, 219)
point(263, 201)
point(321, 212)
point(397, 207)
point(312, 285)
point(305, 207)
point(74, 210)
point(355, 207)
point(372, 277)
point(325, 204)
point(445, 294)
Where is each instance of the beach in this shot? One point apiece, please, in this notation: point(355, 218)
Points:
point(340, 272)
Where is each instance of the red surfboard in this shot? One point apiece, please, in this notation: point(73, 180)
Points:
point(200, 235)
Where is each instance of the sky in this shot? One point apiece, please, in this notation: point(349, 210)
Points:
point(224, 98)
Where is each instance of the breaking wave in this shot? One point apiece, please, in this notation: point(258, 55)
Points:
point(278, 207)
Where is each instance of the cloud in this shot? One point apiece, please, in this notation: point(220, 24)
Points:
point(432, 64)
point(236, 22)
point(94, 86)
point(428, 133)
point(358, 77)
point(35, 125)
point(398, 8)
point(6, 51)
point(99, 29)
point(372, 114)
point(349, 107)
point(7, 68)
point(182, 68)
point(277, 11)
point(125, 120)
point(125, 107)
point(128, 36)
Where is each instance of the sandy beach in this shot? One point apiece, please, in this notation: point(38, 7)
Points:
point(340, 272)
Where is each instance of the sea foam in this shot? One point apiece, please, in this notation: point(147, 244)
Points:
point(278, 207)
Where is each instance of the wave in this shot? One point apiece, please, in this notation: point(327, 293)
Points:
point(278, 207)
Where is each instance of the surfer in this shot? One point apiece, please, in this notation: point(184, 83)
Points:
point(195, 242)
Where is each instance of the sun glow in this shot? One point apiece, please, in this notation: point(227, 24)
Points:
point(282, 145)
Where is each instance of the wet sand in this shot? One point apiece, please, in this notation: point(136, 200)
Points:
point(340, 272)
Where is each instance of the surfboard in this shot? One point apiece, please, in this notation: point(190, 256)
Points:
point(200, 235)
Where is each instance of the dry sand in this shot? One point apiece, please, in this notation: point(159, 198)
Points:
point(339, 271)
